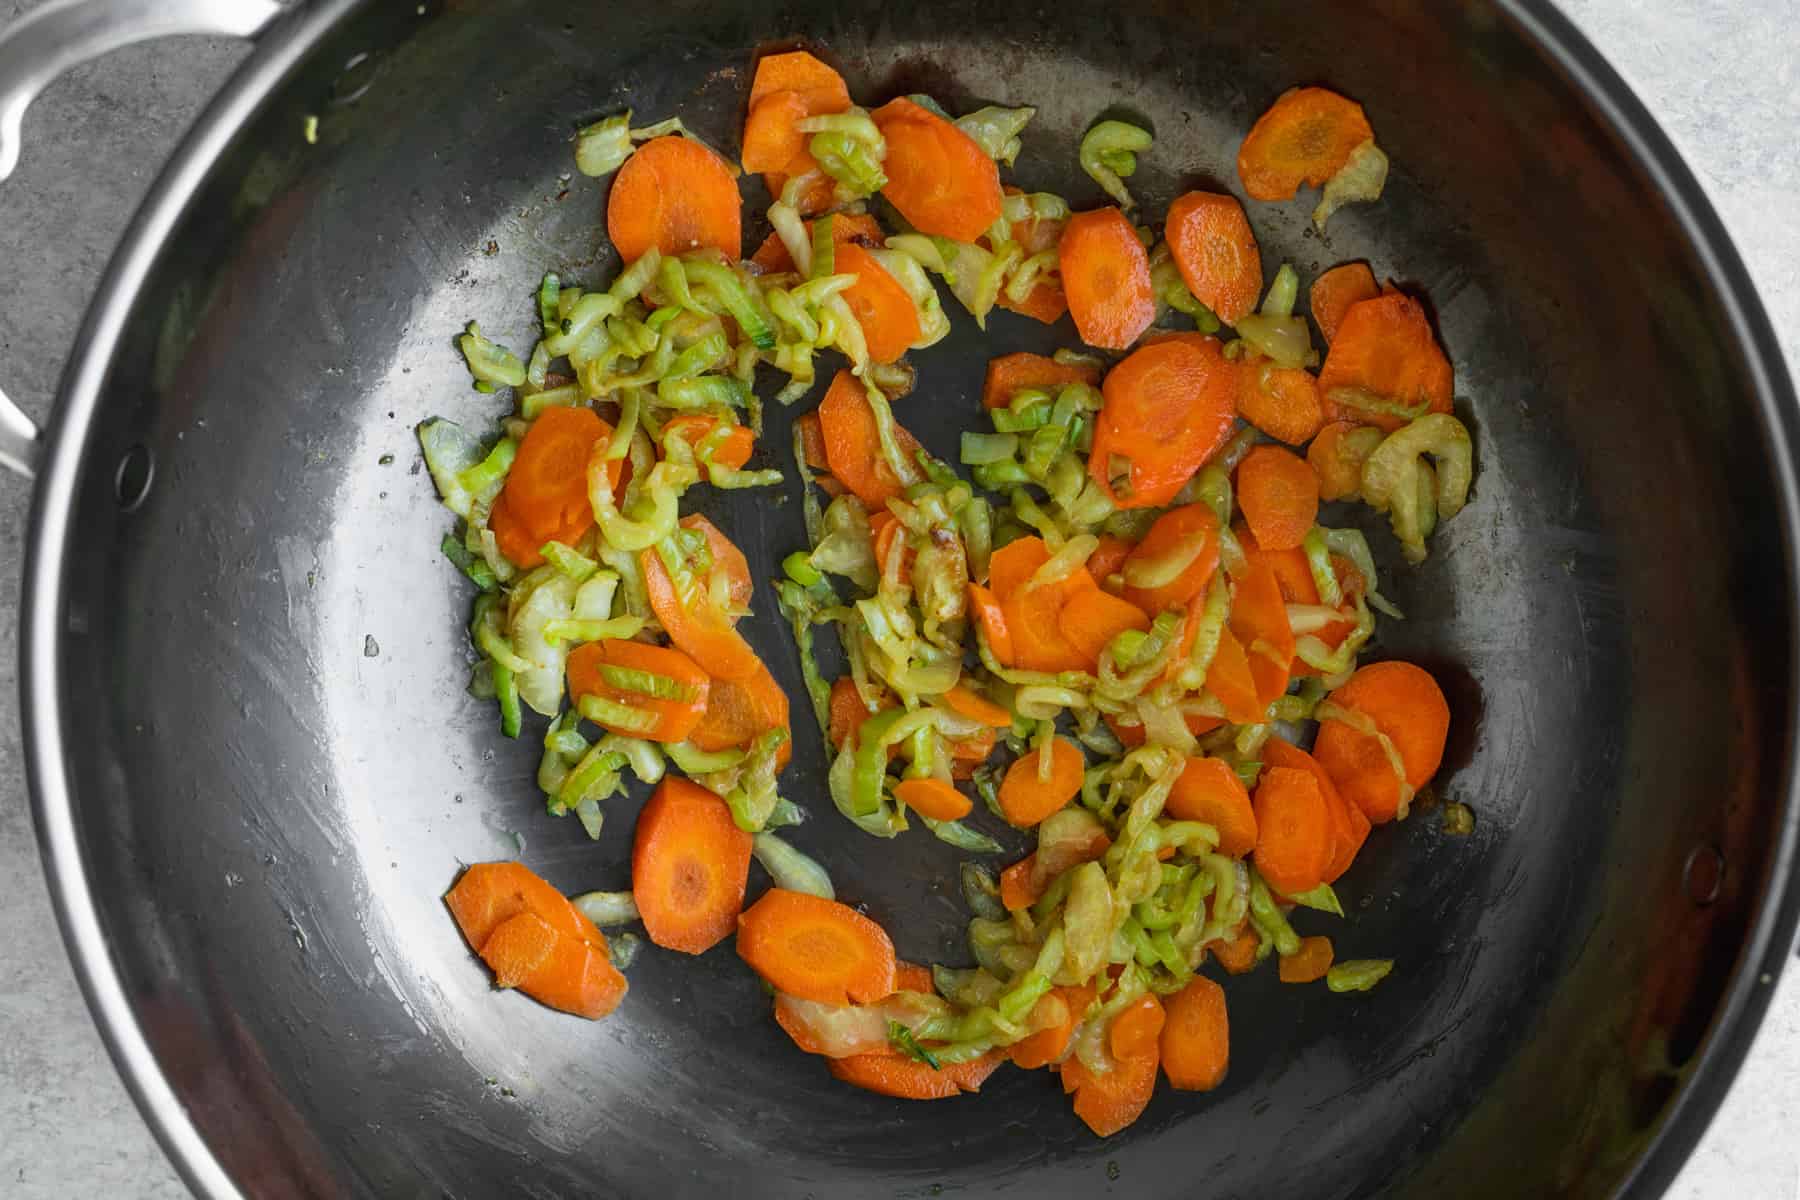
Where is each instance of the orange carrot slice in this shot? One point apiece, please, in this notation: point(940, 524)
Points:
point(883, 308)
point(1238, 955)
point(1090, 619)
point(489, 894)
point(689, 865)
point(545, 498)
point(737, 713)
point(1168, 407)
point(933, 798)
point(772, 256)
point(1108, 1103)
point(816, 949)
point(965, 702)
point(853, 447)
point(1306, 136)
point(1340, 474)
point(1108, 558)
point(1279, 495)
point(675, 195)
point(1106, 278)
point(1385, 347)
point(1406, 704)
point(1350, 828)
point(1260, 622)
point(565, 973)
point(1012, 373)
point(734, 451)
point(1283, 402)
point(1210, 791)
point(1192, 529)
point(1336, 290)
point(1212, 245)
point(615, 670)
point(907, 1079)
point(1026, 798)
point(942, 182)
point(1231, 682)
point(1196, 1037)
point(1048, 1046)
point(992, 619)
point(695, 624)
point(1294, 839)
point(1309, 963)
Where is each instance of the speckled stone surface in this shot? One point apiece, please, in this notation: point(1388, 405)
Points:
point(1722, 75)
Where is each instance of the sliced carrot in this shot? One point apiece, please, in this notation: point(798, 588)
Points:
point(1018, 885)
point(1309, 963)
point(1406, 704)
point(1210, 791)
point(913, 977)
point(1385, 346)
point(1046, 301)
point(1259, 620)
point(1238, 955)
point(1231, 682)
point(675, 195)
point(847, 711)
point(738, 712)
point(798, 71)
point(853, 447)
point(545, 498)
point(1048, 1046)
point(1196, 1037)
point(1090, 619)
point(1340, 473)
point(614, 670)
point(772, 256)
point(1108, 558)
point(489, 894)
point(816, 949)
point(695, 624)
point(1013, 373)
point(1210, 240)
point(1279, 495)
point(1191, 529)
point(1306, 136)
point(689, 865)
point(1294, 836)
point(966, 702)
point(566, 973)
point(812, 441)
point(772, 138)
point(1108, 1103)
point(1350, 828)
point(908, 1079)
point(884, 309)
point(966, 753)
point(1032, 613)
point(726, 558)
point(1026, 798)
point(1168, 407)
point(1283, 402)
point(992, 619)
point(734, 451)
point(1012, 565)
point(1336, 290)
point(1106, 278)
point(817, 195)
point(939, 178)
point(1292, 572)
point(1137, 1031)
point(933, 798)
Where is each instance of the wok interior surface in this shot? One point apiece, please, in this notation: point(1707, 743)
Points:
point(277, 772)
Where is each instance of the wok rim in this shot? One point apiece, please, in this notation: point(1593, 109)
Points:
point(1770, 939)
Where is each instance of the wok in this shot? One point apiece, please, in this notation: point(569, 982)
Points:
point(255, 769)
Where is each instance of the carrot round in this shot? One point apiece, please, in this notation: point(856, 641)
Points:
point(1259, 620)
point(545, 497)
point(939, 178)
point(1293, 831)
point(853, 446)
point(772, 137)
point(1108, 558)
point(566, 973)
point(1238, 953)
point(1350, 828)
point(992, 619)
point(1136, 1032)
point(796, 71)
point(772, 256)
point(816, 196)
point(933, 798)
point(1336, 290)
point(695, 624)
point(966, 702)
point(883, 308)
point(1012, 565)
point(1210, 791)
point(1012, 373)
point(816, 949)
point(1306, 136)
point(1032, 613)
point(1210, 240)
point(1283, 402)
point(1108, 1103)
point(738, 711)
point(1384, 346)
point(1026, 798)
point(689, 865)
point(1019, 885)
point(734, 451)
point(1191, 528)
point(1196, 1037)
point(846, 711)
point(907, 1079)
point(726, 557)
point(1090, 619)
point(1106, 278)
point(1048, 1046)
point(489, 894)
point(665, 684)
point(675, 195)
point(1309, 963)
point(1292, 573)
point(1168, 407)
point(1231, 682)
point(1406, 704)
point(1279, 495)
point(1340, 473)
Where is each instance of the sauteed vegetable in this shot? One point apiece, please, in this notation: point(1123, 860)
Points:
point(1115, 620)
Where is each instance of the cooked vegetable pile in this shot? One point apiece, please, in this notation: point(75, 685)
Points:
point(1115, 621)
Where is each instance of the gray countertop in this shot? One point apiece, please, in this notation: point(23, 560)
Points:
point(1722, 75)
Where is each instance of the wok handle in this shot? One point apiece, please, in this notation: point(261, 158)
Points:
point(49, 40)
